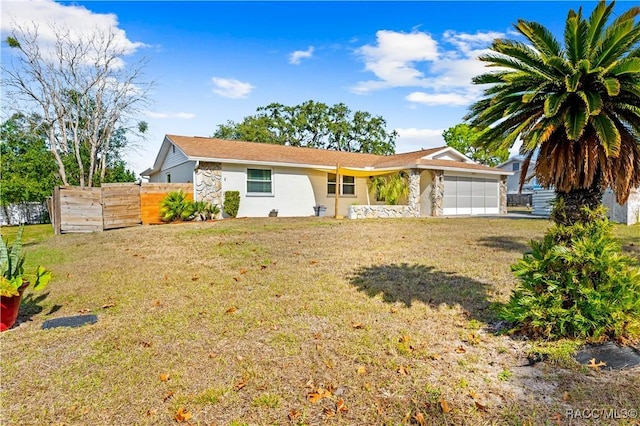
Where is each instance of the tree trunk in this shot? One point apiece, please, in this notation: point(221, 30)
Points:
point(568, 208)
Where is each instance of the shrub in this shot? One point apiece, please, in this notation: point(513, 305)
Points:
point(576, 283)
point(175, 206)
point(205, 210)
point(231, 203)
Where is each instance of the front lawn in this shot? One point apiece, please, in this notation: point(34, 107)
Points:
point(291, 321)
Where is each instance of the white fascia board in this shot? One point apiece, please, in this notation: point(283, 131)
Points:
point(462, 169)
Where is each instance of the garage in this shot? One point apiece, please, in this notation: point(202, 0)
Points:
point(465, 195)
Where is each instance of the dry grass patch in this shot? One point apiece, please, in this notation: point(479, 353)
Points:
point(288, 321)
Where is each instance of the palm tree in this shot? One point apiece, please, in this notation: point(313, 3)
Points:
point(577, 106)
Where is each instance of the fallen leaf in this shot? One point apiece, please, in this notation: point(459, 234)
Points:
point(314, 397)
point(394, 310)
point(231, 310)
point(167, 395)
point(182, 415)
point(480, 407)
point(313, 262)
point(357, 325)
point(243, 271)
point(444, 406)
point(236, 279)
point(241, 384)
point(325, 393)
point(596, 367)
point(341, 407)
point(435, 357)
point(278, 295)
point(195, 278)
point(263, 267)
point(362, 370)
point(473, 394)
point(146, 344)
point(151, 413)
point(164, 377)
point(84, 311)
point(213, 355)
point(403, 370)
point(108, 305)
point(566, 396)
point(460, 349)
point(294, 414)
point(557, 418)
point(419, 418)
point(328, 412)
point(328, 363)
point(157, 303)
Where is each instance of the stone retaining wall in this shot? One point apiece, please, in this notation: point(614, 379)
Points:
point(372, 212)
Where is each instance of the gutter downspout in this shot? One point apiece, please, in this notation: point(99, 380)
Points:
point(195, 175)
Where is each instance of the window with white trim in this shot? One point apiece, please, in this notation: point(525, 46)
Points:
point(347, 185)
point(259, 181)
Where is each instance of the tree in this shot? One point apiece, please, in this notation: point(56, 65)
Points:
point(315, 125)
point(577, 104)
point(390, 188)
point(28, 168)
point(82, 89)
point(463, 138)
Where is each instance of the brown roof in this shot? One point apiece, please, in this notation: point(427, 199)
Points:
point(196, 147)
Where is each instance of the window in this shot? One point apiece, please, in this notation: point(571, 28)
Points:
point(168, 177)
point(516, 167)
point(347, 185)
point(259, 181)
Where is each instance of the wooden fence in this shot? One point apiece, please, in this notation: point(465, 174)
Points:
point(118, 205)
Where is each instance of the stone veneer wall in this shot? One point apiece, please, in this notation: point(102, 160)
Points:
point(503, 195)
point(358, 211)
point(413, 203)
point(208, 183)
point(437, 192)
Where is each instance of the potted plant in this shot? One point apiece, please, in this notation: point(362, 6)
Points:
point(14, 281)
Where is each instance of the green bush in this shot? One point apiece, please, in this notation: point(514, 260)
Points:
point(205, 210)
point(231, 203)
point(576, 283)
point(175, 206)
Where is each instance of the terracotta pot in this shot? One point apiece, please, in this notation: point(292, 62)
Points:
point(9, 307)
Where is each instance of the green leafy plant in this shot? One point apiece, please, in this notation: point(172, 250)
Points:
point(390, 189)
point(205, 210)
point(231, 203)
point(176, 207)
point(576, 283)
point(12, 266)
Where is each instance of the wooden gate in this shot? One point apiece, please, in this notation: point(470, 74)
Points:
point(120, 205)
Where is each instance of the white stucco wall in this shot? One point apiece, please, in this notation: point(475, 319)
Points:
point(425, 193)
point(294, 192)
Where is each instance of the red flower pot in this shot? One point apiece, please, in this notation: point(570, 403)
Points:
point(9, 307)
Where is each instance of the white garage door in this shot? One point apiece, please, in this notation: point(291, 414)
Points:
point(470, 195)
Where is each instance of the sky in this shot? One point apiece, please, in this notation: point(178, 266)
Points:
point(212, 61)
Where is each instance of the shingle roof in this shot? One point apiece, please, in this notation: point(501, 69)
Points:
point(214, 149)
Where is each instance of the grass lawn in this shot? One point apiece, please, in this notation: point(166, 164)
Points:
point(281, 321)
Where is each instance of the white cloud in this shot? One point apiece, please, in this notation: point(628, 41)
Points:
point(393, 59)
point(442, 70)
point(412, 139)
point(180, 115)
point(48, 15)
point(449, 99)
point(298, 55)
point(231, 88)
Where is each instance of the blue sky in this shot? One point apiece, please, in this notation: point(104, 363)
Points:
point(409, 62)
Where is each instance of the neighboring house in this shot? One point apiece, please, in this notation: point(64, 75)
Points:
point(294, 180)
point(627, 213)
point(514, 164)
